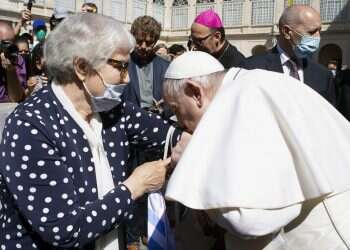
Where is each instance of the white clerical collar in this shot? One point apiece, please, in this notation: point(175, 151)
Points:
point(283, 55)
point(285, 58)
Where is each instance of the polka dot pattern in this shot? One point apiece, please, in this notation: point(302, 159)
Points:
point(48, 177)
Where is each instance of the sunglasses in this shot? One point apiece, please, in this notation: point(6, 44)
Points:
point(149, 43)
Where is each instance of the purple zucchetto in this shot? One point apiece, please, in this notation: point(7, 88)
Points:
point(209, 18)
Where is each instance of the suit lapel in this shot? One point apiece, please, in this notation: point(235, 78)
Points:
point(157, 79)
point(308, 73)
point(275, 61)
point(134, 80)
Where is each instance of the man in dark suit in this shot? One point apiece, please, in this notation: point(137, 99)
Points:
point(344, 93)
point(299, 38)
point(208, 35)
point(146, 69)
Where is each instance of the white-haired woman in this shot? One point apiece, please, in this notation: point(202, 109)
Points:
point(63, 175)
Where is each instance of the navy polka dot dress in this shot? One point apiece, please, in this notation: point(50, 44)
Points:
point(47, 175)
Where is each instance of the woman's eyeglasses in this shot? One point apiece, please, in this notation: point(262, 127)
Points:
point(119, 65)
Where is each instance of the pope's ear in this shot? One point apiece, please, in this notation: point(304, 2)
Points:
point(194, 90)
point(81, 68)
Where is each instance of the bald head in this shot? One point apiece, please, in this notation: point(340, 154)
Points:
point(295, 23)
point(6, 31)
point(299, 15)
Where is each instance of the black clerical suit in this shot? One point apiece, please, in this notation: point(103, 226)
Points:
point(229, 56)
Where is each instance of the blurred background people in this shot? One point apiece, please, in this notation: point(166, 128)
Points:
point(26, 16)
point(39, 30)
point(333, 66)
point(161, 50)
point(176, 50)
point(29, 38)
point(38, 76)
point(58, 15)
point(89, 7)
point(24, 51)
point(146, 69)
point(13, 75)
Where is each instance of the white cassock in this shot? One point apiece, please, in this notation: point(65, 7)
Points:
point(270, 162)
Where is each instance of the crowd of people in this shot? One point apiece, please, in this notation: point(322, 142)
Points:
point(258, 145)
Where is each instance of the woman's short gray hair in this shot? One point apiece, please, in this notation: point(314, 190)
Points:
point(172, 87)
point(92, 37)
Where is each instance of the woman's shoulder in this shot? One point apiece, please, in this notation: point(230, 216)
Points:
point(37, 110)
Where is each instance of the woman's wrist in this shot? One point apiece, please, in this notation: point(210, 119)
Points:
point(136, 188)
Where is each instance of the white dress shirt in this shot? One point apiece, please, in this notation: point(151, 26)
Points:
point(286, 68)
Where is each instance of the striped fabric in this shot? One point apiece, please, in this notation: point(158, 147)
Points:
point(160, 236)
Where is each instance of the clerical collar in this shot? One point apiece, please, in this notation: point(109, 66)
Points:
point(218, 55)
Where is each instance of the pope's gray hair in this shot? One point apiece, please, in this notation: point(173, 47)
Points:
point(173, 87)
point(88, 36)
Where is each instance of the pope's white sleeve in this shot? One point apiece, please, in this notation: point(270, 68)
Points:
point(254, 222)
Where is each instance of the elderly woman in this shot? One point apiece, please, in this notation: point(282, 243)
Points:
point(63, 175)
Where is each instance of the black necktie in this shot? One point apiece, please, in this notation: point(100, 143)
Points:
point(293, 69)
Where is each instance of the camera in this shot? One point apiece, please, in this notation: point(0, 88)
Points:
point(10, 51)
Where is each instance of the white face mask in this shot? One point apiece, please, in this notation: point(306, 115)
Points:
point(111, 96)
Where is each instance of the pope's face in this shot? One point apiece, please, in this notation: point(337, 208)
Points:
point(189, 106)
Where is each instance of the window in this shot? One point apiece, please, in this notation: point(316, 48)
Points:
point(333, 10)
point(232, 11)
point(139, 8)
point(65, 4)
point(203, 5)
point(38, 2)
point(158, 10)
point(118, 8)
point(292, 2)
point(179, 15)
point(262, 12)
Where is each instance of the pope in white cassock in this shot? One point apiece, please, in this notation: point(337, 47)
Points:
point(268, 160)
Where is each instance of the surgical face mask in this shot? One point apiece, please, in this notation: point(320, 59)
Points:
point(307, 45)
point(111, 96)
point(40, 35)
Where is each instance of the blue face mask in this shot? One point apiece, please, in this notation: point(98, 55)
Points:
point(307, 46)
point(111, 97)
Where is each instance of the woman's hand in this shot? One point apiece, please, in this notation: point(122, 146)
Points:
point(148, 177)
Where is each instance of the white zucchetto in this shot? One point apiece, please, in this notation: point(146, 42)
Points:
point(196, 63)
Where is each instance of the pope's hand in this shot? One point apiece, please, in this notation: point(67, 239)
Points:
point(180, 147)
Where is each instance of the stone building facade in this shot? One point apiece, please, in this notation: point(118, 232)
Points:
point(251, 25)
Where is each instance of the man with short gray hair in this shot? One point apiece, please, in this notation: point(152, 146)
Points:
point(259, 163)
